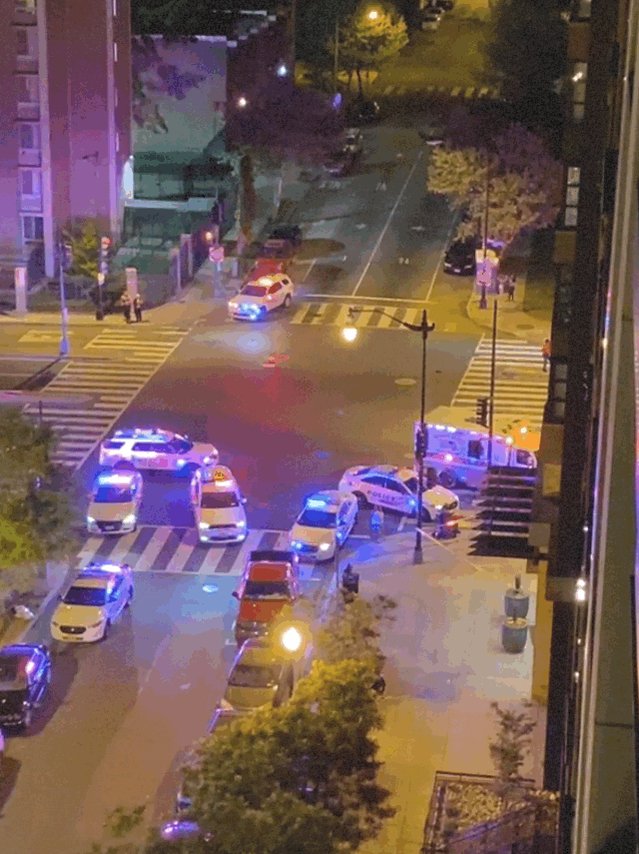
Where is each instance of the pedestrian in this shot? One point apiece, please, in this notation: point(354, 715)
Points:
point(137, 308)
point(125, 302)
point(384, 176)
point(377, 522)
point(511, 288)
point(546, 352)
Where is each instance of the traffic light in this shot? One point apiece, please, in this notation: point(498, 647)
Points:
point(482, 411)
point(105, 251)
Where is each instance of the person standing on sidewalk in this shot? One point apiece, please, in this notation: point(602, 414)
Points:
point(125, 302)
point(546, 351)
point(137, 308)
point(377, 523)
point(511, 288)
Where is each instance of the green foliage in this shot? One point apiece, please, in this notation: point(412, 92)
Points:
point(36, 515)
point(352, 631)
point(524, 184)
point(248, 202)
point(365, 43)
point(509, 748)
point(527, 50)
point(85, 243)
point(315, 26)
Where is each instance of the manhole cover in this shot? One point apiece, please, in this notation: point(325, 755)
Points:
point(405, 381)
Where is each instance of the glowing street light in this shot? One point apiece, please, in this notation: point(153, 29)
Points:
point(373, 15)
point(292, 639)
point(281, 70)
point(349, 331)
point(242, 102)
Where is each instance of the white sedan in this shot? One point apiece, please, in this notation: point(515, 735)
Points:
point(256, 299)
point(395, 488)
point(93, 602)
point(326, 520)
point(218, 506)
point(114, 503)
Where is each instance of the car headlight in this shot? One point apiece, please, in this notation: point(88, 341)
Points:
point(129, 519)
point(295, 544)
point(241, 524)
point(203, 526)
point(233, 305)
point(439, 507)
point(181, 464)
point(90, 520)
point(208, 459)
point(324, 547)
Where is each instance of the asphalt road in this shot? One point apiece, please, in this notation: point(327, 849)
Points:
point(138, 700)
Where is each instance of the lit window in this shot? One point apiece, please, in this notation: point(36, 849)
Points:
point(117, 142)
point(115, 51)
point(115, 8)
point(32, 228)
point(573, 177)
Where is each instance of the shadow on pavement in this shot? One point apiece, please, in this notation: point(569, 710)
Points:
point(318, 247)
point(8, 778)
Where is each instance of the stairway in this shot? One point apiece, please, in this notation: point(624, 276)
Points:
point(504, 510)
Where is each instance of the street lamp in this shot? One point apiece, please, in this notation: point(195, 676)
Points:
point(242, 102)
point(373, 15)
point(349, 333)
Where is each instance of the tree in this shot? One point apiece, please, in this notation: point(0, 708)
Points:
point(85, 246)
point(516, 174)
point(508, 749)
point(315, 26)
point(248, 198)
point(36, 515)
point(527, 50)
point(298, 778)
point(367, 40)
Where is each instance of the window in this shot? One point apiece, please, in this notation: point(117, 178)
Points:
point(579, 76)
point(32, 228)
point(25, 5)
point(30, 182)
point(275, 288)
point(30, 137)
point(117, 142)
point(115, 51)
point(475, 449)
point(115, 8)
point(22, 42)
point(573, 177)
point(27, 89)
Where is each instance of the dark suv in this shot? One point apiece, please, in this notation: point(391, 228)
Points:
point(25, 673)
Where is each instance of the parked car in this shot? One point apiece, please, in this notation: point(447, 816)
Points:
point(444, 5)
point(340, 163)
point(25, 674)
point(354, 141)
point(460, 258)
point(430, 19)
point(259, 677)
point(270, 582)
point(363, 111)
point(287, 231)
point(266, 267)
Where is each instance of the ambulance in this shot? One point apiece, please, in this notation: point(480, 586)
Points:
point(457, 454)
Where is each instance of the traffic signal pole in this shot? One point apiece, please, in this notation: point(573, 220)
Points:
point(64, 314)
point(491, 401)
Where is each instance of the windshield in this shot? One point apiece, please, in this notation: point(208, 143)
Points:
point(262, 589)
point(113, 495)
point(254, 676)
point(213, 500)
point(317, 518)
point(252, 291)
point(85, 596)
point(411, 484)
point(10, 668)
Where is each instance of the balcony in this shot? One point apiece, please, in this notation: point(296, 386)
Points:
point(27, 64)
point(29, 157)
point(29, 112)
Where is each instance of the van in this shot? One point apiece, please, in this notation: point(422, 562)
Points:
point(458, 457)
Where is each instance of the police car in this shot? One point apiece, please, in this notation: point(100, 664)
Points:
point(156, 450)
point(396, 488)
point(93, 602)
point(114, 503)
point(218, 506)
point(326, 520)
point(256, 299)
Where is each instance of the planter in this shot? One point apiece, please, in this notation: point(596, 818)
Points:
point(514, 633)
point(516, 602)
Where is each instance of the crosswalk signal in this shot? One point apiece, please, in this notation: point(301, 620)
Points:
point(105, 251)
point(482, 411)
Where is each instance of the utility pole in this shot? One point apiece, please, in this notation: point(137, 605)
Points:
point(64, 260)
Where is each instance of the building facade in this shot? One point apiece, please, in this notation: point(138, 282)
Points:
point(66, 124)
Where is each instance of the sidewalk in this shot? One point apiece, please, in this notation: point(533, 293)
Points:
point(445, 666)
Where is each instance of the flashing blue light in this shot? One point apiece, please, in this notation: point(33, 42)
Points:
point(181, 463)
point(113, 479)
point(316, 502)
point(412, 503)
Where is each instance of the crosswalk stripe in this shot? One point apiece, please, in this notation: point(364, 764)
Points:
point(336, 314)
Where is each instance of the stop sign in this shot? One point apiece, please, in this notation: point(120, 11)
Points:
point(216, 254)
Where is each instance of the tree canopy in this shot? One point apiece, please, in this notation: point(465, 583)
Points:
point(368, 38)
point(36, 516)
point(524, 184)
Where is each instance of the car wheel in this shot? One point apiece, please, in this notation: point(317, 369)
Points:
point(361, 500)
point(287, 300)
point(129, 598)
point(447, 479)
point(107, 628)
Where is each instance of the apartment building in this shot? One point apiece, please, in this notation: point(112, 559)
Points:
point(65, 124)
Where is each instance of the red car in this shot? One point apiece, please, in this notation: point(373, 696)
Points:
point(270, 582)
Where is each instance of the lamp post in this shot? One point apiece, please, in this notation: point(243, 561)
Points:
point(349, 333)
point(64, 260)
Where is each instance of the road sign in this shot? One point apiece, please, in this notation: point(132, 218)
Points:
point(216, 254)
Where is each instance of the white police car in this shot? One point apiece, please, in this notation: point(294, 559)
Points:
point(156, 450)
point(256, 299)
point(395, 488)
point(114, 503)
point(93, 602)
point(218, 507)
point(326, 520)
